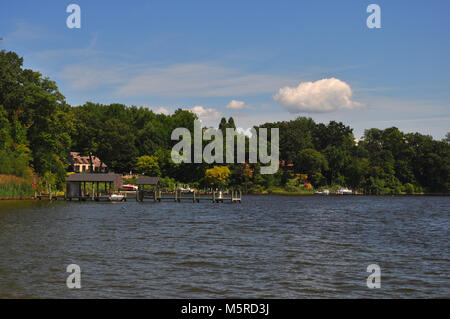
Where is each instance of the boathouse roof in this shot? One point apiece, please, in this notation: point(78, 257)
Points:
point(147, 180)
point(93, 178)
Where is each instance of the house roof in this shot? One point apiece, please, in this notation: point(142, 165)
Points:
point(76, 158)
point(147, 180)
point(93, 178)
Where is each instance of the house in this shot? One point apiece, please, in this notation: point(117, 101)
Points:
point(80, 164)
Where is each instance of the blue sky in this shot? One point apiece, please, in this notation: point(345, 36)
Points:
point(202, 55)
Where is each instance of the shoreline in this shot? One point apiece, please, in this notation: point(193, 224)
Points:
point(349, 195)
point(17, 198)
point(31, 198)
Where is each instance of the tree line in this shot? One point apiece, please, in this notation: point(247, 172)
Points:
point(38, 130)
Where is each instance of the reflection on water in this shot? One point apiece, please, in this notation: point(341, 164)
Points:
point(269, 247)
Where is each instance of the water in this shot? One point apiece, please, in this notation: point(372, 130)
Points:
point(268, 247)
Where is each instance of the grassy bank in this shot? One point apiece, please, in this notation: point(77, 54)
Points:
point(282, 191)
point(15, 187)
point(287, 193)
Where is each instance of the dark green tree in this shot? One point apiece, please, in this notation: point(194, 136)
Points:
point(310, 162)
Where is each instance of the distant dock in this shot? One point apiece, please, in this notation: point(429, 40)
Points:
point(148, 188)
point(103, 186)
point(194, 196)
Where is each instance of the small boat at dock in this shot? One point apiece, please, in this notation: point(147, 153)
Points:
point(117, 198)
point(344, 191)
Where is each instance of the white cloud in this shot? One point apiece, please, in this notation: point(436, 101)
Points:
point(158, 110)
point(177, 80)
point(236, 105)
point(322, 96)
point(25, 32)
point(197, 80)
point(161, 110)
point(206, 114)
point(85, 77)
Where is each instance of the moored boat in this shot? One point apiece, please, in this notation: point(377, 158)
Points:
point(117, 197)
point(344, 191)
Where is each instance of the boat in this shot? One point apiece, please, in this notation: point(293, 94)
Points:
point(344, 191)
point(129, 187)
point(324, 192)
point(117, 197)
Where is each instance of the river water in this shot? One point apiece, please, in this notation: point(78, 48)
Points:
point(266, 247)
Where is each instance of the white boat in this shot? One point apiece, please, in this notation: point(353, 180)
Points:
point(116, 197)
point(324, 192)
point(344, 191)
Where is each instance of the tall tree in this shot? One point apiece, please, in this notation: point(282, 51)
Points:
point(34, 102)
point(309, 161)
point(148, 165)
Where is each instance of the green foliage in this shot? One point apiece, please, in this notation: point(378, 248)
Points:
point(318, 180)
point(168, 183)
point(217, 176)
point(38, 130)
point(297, 191)
point(35, 122)
point(148, 165)
point(14, 190)
point(291, 185)
point(310, 161)
point(409, 188)
point(12, 186)
point(118, 135)
point(383, 162)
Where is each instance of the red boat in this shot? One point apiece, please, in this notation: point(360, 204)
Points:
point(129, 187)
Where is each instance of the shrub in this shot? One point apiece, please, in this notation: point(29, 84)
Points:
point(13, 186)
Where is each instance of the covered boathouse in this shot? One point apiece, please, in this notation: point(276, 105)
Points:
point(147, 187)
point(76, 185)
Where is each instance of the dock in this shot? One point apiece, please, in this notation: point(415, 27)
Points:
point(194, 196)
point(148, 188)
point(100, 187)
point(95, 187)
point(49, 196)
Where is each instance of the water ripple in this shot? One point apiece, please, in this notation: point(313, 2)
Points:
point(267, 247)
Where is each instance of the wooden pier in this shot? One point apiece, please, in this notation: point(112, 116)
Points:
point(49, 196)
point(77, 187)
point(194, 196)
point(233, 196)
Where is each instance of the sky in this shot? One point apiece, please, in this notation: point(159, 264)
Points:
point(257, 61)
